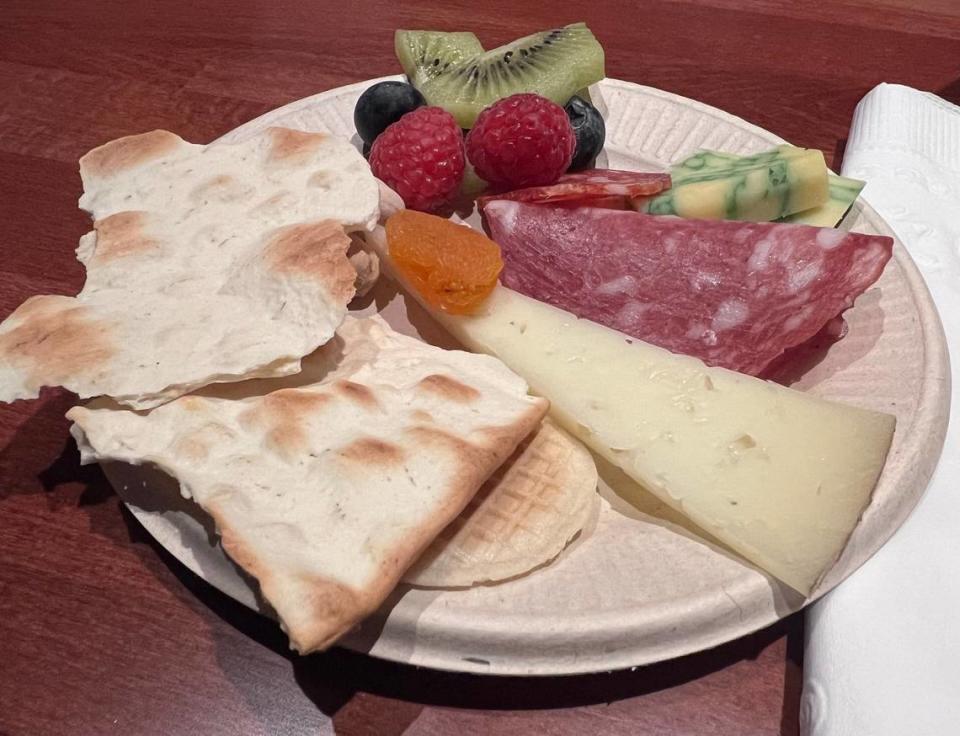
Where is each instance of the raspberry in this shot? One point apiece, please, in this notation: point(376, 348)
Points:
point(421, 158)
point(523, 140)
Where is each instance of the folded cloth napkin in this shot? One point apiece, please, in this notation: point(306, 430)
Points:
point(883, 649)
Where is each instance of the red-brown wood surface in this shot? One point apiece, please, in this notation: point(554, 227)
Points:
point(101, 632)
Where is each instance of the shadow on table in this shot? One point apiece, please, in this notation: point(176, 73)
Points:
point(40, 457)
point(331, 679)
point(792, 677)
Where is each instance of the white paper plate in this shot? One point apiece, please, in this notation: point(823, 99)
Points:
point(639, 587)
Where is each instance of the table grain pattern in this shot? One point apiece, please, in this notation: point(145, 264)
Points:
point(101, 631)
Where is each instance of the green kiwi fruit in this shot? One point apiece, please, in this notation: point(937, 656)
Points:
point(428, 54)
point(554, 63)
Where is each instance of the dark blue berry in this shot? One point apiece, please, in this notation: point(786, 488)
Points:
point(382, 105)
point(589, 129)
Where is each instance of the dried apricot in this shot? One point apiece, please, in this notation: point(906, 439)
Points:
point(452, 266)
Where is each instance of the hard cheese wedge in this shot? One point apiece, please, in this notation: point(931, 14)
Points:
point(763, 187)
point(780, 476)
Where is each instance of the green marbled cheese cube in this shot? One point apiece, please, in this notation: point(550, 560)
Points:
point(766, 186)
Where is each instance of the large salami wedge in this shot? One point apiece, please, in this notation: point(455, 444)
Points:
point(734, 294)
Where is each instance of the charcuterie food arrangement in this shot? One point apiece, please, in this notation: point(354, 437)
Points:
point(603, 313)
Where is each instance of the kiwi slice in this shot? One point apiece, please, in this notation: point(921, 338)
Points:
point(553, 63)
point(427, 54)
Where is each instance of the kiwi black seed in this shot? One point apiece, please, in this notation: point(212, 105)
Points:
point(554, 63)
point(426, 54)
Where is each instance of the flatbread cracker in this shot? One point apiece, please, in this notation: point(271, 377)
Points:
point(206, 264)
point(327, 492)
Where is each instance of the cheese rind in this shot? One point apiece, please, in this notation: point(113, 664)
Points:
point(843, 193)
point(766, 186)
point(780, 476)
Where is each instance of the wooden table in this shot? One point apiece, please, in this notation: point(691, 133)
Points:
point(101, 632)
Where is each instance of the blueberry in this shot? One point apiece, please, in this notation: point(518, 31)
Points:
point(589, 129)
point(382, 105)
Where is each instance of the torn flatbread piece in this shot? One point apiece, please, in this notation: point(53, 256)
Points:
point(206, 264)
point(521, 518)
point(328, 492)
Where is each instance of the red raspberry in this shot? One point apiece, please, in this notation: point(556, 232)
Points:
point(523, 140)
point(421, 158)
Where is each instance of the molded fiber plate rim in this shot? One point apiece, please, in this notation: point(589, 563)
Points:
point(639, 588)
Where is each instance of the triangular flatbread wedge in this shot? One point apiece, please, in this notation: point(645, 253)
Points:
point(326, 493)
point(206, 264)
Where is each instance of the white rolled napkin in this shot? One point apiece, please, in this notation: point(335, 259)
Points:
point(882, 653)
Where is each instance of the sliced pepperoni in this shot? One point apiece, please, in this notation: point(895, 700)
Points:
point(607, 188)
point(614, 202)
point(616, 181)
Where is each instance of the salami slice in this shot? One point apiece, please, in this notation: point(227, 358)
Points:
point(612, 202)
point(616, 181)
point(734, 294)
point(609, 188)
